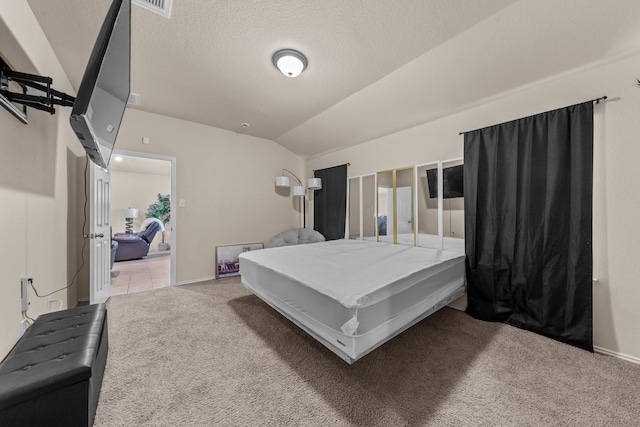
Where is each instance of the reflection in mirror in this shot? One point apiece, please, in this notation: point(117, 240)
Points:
point(404, 207)
point(385, 207)
point(362, 207)
point(354, 208)
point(453, 205)
point(428, 205)
point(441, 216)
point(395, 207)
point(368, 206)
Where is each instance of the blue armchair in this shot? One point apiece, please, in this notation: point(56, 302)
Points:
point(136, 245)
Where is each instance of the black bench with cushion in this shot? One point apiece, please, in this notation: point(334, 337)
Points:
point(53, 375)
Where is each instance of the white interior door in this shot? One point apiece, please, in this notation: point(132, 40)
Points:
point(99, 235)
point(405, 210)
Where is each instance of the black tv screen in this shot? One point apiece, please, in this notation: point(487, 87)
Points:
point(452, 185)
point(104, 91)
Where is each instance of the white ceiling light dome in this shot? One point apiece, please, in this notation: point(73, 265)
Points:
point(290, 62)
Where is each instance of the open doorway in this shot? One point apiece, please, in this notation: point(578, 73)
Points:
point(142, 218)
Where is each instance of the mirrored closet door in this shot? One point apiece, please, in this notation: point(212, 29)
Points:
point(395, 206)
point(428, 203)
point(440, 203)
point(362, 212)
point(453, 205)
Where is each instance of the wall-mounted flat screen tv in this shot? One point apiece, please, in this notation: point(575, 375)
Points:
point(103, 93)
point(452, 182)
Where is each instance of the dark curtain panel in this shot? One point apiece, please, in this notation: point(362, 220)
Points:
point(528, 216)
point(330, 203)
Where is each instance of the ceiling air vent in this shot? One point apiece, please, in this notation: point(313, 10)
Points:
point(161, 7)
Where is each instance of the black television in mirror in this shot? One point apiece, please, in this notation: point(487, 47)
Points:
point(104, 91)
point(452, 185)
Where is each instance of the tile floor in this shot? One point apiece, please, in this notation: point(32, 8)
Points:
point(139, 275)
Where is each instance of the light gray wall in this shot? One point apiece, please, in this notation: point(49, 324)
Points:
point(227, 182)
point(39, 179)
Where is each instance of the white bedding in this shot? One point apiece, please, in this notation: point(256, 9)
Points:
point(353, 295)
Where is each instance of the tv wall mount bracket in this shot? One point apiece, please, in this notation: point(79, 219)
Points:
point(36, 92)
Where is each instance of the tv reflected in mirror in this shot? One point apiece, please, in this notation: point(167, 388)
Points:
point(103, 93)
point(452, 182)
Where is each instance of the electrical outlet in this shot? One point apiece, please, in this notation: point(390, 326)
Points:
point(24, 292)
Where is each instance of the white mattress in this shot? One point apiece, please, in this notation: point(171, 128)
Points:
point(328, 288)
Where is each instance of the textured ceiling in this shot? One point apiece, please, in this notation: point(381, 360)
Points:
point(375, 66)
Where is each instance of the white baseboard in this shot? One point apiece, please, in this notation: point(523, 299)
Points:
point(600, 350)
point(457, 307)
point(616, 354)
point(203, 279)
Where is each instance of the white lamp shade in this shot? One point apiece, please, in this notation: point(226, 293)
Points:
point(129, 213)
point(283, 181)
point(299, 190)
point(314, 184)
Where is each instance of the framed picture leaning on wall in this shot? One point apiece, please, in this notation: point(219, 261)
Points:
point(227, 263)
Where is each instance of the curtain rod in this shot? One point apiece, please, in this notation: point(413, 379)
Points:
point(348, 164)
point(597, 101)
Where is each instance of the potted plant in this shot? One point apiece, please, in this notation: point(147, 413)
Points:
point(161, 209)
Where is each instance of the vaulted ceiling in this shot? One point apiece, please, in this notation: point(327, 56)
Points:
point(375, 66)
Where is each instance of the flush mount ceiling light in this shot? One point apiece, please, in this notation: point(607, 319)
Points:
point(290, 62)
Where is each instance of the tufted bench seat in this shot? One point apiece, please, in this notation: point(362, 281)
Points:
point(53, 375)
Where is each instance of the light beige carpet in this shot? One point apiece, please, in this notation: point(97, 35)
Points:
point(212, 354)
